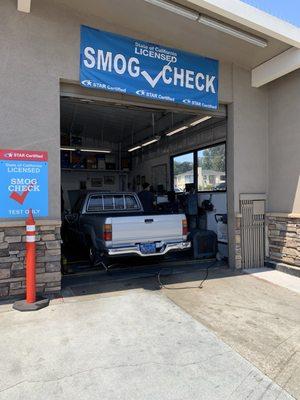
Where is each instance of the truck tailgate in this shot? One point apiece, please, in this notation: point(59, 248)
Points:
point(146, 228)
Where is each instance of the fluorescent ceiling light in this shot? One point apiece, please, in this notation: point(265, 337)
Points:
point(177, 130)
point(85, 150)
point(230, 30)
point(134, 148)
point(68, 148)
point(150, 141)
point(95, 151)
point(198, 121)
point(183, 11)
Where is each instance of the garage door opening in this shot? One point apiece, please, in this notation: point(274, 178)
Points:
point(109, 153)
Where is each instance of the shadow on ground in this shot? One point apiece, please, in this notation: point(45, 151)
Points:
point(149, 277)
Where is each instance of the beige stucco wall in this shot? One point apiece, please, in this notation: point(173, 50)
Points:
point(284, 144)
point(247, 146)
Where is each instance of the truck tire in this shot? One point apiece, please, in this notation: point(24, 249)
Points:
point(95, 258)
point(93, 255)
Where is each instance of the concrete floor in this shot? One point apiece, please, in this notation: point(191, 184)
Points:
point(120, 338)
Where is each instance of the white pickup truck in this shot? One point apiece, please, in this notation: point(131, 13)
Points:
point(114, 224)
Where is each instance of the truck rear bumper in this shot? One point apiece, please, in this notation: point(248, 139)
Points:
point(118, 251)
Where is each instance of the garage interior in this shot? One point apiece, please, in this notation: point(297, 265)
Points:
point(112, 146)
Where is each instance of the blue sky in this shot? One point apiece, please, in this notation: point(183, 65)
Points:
point(288, 10)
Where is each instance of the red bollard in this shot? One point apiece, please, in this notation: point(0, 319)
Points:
point(30, 259)
point(31, 303)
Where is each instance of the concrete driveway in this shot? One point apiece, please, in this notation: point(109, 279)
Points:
point(257, 318)
point(130, 342)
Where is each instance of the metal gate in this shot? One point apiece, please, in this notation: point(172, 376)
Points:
point(252, 230)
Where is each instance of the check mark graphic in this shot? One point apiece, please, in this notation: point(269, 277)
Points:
point(151, 81)
point(20, 198)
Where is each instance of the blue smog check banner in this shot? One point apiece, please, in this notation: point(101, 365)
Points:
point(23, 183)
point(129, 66)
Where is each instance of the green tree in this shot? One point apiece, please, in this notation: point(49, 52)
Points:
point(181, 167)
point(213, 158)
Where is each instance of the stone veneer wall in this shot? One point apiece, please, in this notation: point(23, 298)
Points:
point(12, 257)
point(283, 235)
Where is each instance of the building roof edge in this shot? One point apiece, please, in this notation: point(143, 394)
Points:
point(260, 21)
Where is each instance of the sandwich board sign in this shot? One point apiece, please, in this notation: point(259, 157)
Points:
point(23, 183)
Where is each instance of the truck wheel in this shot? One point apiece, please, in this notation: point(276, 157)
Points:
point(95, 258)
point(92, 253)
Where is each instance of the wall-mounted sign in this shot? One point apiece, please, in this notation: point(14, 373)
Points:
point(23, 183)
point(129, 66)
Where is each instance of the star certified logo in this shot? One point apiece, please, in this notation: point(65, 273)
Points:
point(8, 155)
point(141, 92)
point(87, 82)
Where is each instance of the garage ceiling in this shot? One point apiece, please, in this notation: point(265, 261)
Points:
point(112, 123)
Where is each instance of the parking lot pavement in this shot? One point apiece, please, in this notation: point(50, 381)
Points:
point(136, 345)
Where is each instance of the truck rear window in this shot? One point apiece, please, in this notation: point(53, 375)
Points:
point(131, 203)
point(108, 202)
point(95, 204)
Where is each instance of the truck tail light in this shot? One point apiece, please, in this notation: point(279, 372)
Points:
point(184, 227)
point(107, 233)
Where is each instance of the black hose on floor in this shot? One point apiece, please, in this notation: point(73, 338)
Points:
point(200, 286)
